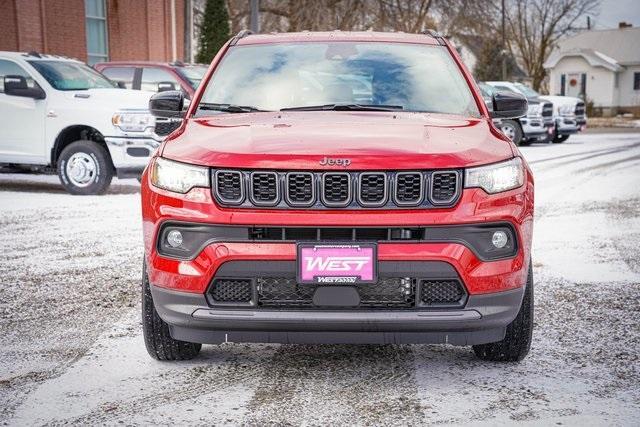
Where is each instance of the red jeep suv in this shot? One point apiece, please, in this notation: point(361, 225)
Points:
point(337, 187)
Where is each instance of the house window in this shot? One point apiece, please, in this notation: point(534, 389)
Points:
point(96, 23)
point(636, 81)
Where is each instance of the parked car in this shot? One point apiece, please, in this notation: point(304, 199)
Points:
point(569, 113)
point(297, 203)
point(537, 126)
point(58, 113)
point(154, 76)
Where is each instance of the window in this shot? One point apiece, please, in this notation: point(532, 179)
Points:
point(292, 75)
point(70, 75)
point(636, 81)
point(96, 24)
point(152, 76)
point(120, 74)
point(10, 68)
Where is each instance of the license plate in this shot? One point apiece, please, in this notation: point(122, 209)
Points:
point(337, 263)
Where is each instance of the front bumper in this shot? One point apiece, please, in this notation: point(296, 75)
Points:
point(493, 289)
point(130, 155)
point(483, 319)
point(537, 129)
point(567, 125)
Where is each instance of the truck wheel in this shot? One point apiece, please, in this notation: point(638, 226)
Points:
point(517, 341)
point(85, 168)
point(157, 339)
point(559, 139)
point(512, 130)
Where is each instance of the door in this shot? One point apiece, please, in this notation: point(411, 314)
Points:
point(575, 85)
point(21, 122)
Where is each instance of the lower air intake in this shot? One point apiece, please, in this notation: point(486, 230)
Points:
point(231, 290)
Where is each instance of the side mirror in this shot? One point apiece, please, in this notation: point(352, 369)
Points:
point(17, 86)
point(120, 84)
point(509, 105)
point(167, 104)
point(166, 86)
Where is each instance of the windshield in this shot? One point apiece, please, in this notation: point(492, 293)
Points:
point(193, 73)
point(526, 90)
point(66, 75)
point(408, 77)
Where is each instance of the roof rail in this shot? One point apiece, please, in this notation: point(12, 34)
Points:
point(177, 64)
point(34, 53)
point(436, 35)
point(241, 34)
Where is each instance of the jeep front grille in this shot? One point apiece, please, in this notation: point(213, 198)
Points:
point(350, 190)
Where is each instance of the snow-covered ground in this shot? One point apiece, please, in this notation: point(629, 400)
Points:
point(71, 349)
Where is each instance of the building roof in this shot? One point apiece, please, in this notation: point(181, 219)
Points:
point(610, 49)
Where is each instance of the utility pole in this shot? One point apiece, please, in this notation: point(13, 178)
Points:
point(504, 45)
point(255, 16)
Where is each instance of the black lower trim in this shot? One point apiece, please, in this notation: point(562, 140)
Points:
point(135, 172)
point(484, 319)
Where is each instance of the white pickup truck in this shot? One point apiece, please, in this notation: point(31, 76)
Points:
point(57, 113)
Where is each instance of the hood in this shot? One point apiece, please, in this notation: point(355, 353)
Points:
point(561, 100)
point(301, 140)
point(112, 99)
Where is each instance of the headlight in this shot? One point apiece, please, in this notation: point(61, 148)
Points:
point(566, 109)
point(534, 110)
point(178, 177)
point(497, 177)
point(133, 121)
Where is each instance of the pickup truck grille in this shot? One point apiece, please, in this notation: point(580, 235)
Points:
point(165, 126)
point(580, 109)
point(547, 109)
point(330, 190)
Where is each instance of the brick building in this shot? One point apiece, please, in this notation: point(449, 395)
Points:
point(97, 30)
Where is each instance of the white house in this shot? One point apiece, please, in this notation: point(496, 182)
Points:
point(600, 66)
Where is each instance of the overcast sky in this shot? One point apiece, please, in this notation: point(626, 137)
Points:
point(614, 11)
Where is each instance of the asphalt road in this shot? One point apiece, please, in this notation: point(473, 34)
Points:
point(71, 349)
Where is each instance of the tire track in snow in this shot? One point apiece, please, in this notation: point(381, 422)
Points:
point(337, 385)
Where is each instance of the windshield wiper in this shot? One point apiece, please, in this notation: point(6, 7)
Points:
point(346, 107)
point(229, 108)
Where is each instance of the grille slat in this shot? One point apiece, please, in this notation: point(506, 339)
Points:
point(165, 127)
point(408, 188)
point(265, 188)
point(372, 189)
point(300, 189)
point(336, 189)
point(229, 186)
point(444, 187)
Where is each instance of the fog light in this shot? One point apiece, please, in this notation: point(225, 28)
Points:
point(499, 239)
point(174, 238)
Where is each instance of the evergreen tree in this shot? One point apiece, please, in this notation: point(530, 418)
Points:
point(489, 63)
point(214, 31)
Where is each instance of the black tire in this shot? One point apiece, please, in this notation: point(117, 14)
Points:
point(517, 341)
point(559, 139)
point(512, 130)
point(157, 338)
point(95, 154)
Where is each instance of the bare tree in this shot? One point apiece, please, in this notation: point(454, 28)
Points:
point(535, 26)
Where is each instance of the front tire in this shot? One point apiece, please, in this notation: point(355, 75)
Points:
point(559, 139)
point(160, 345)
point(85, 168)
point(512, 130)
point(517, 341)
